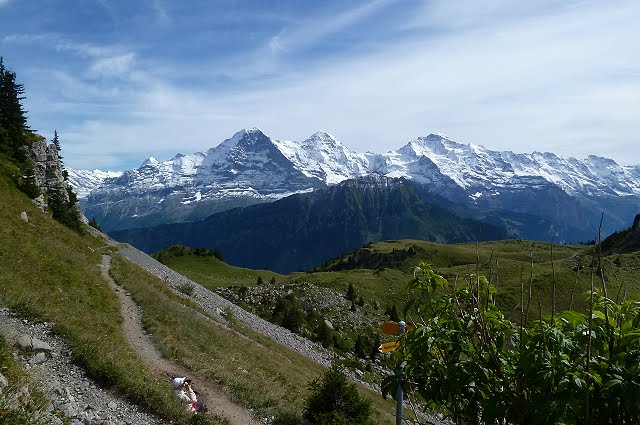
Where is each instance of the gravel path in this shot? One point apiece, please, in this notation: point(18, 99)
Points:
point(72, 394)
point(217, 402)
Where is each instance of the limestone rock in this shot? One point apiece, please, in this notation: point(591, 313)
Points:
point(4, 382)
point(28, 342)
point(40, 202)
point(24, 216)
point(39, 358)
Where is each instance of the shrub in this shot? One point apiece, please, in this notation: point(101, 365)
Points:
point(334, 401)
point(467, 358)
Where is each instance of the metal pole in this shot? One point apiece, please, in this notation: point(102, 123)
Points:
point(399, 395)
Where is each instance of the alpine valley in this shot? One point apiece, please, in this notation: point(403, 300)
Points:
point(339, 199)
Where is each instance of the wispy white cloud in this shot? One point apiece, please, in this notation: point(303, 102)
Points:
point(118, 65)
point(310, 31)
point(566, 81)
point(522, 76)
point(161, 13)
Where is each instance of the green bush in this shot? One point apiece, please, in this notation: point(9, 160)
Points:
point(467, 359)
point(334, 401)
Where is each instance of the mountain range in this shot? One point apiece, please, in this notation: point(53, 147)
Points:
point(537, 195)
point(306, 229)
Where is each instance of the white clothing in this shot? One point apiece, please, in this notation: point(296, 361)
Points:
point(188, 397)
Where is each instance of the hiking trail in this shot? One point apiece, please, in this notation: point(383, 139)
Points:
point(217, 402)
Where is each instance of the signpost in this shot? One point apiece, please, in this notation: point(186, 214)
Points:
point(388, 347)
point(395, 329)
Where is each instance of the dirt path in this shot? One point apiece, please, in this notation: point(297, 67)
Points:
point(217, 402)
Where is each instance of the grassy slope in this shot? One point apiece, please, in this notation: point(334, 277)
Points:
point(213, 273)
point(51, 273)
point(506, 261)
point(254, 370)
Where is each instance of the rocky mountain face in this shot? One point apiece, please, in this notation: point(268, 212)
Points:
point(49, 173)
point(564, 196)
point(306, 229)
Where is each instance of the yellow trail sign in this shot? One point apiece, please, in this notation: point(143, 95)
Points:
point(393, 328)
point(388, 347)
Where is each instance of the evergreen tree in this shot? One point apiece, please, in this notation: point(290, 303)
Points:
point(56, 140)
point(94, 223)
point(259, 282)
point(373, 352)
point(273, 280)
point(56, 143)
point(351, 293)
point(323, 334)
point(13, 121)
point(63, 210)
point(360, 347)
point(335, 401)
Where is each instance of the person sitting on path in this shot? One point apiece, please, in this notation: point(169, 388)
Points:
point(183, 391)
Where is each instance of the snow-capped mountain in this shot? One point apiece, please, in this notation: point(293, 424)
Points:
point(84, 181)
point(324, 157)
point(250, 168)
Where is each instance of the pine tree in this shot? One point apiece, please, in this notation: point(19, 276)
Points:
point(374, 351)
point(13, 121)
point(324, 334)
point(351, 293)
point(64, 210)
point(333, 400)
point(56, 142)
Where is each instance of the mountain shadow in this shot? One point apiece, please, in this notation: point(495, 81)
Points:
point(304, 230)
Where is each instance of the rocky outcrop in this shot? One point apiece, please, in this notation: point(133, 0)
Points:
point(49, 174)
point(47, 166)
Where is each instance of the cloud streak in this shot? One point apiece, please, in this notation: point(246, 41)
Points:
point(550, 76)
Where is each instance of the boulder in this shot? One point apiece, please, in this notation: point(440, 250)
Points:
point(28, 342)
point(4, 382)
point(328, 324)
point(24, 216)
point(39, 358)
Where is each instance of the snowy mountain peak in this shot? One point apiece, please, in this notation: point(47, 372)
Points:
point(440, 143)
point(322, 136)
point(84, 181)
point(600, 161)
point(244, 136)
point(151, 161)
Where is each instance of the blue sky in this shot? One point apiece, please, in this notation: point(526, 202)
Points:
point(125, 79)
